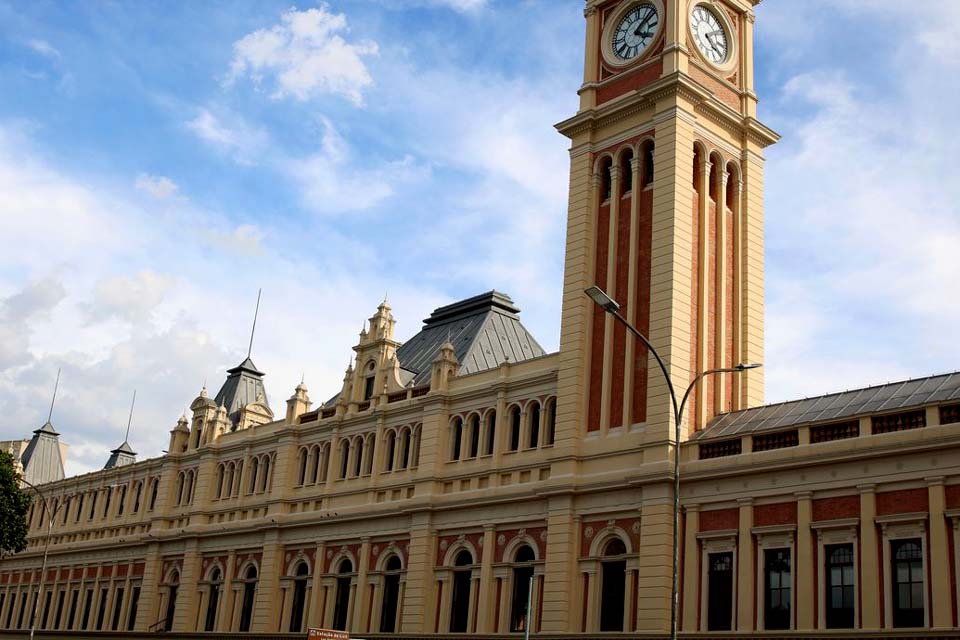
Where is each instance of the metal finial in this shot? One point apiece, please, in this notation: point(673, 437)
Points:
point(254, 328)
point(126, 436)
point(56, 385)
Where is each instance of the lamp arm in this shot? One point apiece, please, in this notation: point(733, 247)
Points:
point(663, 367)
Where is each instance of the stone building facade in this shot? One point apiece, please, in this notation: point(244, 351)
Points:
point(453, 471)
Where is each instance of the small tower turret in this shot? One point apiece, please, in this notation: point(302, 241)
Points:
point(445, 367)
point(179, 436)
point(298, 404)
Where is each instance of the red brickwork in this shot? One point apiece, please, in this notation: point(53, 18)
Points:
point(589, 530)
point(719, 519)
point(599, 320)
point(536, 535)
point(836, 508)
point(634, 79)
point(906, 501)
point(952, 492)
point(398, 546)
point(445, 542)
point(766, 515)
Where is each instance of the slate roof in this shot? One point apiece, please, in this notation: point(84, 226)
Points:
point(122, 455)
point(485, 330)
point(244, 384)
point(885, 398)
point(41, 459)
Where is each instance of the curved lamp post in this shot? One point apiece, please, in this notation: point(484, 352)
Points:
point(46, 547)
point(609, 305)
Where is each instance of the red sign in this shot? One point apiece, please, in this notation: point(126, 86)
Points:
point(327, 634)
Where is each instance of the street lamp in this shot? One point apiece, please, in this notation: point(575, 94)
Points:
point(46, 547)
point(609, 305)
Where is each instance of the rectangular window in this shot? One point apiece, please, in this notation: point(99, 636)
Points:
point(720, 591)
point(61, 597)
point(87, 605)
point(117, 609)
point(840, 594)
point(74, 599)
point(10, 608)
point(102, 611)
point(134, 603)
point(908, 583)
point(778, 581)
point(369, 388)
point(46, 609)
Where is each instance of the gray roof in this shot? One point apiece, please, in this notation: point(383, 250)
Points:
point(244, 384)
point(485, 330)
point(893, 396)
point(122, 455)
point(41, 459)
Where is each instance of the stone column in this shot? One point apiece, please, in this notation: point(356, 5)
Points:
point(487, 594)
point(419, 601)
point(939, 557)
point(265, 609)
point(363, 592)
point(703, 288)
point(745, 571)
point(315, 619)
point(691, 572)
point(609, 286)
point(184, 617)
point(630, 353)
point(869, 571)
point(147, 609)
point(806, 585)
point(225, 606)
point(655, 562)
point(562, 552)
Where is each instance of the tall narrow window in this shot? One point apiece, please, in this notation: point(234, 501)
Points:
point(391, 444)
point(474, 436)
point(249, 594)
point(87, 606)
point(72, 614)
point(415, 446)
point(342, 602)
point(534, 425)
point(778, 583)
point(460, 600)
point(324, 462)
point(122, 500)
point(213, 600)
point(626, 171)
point(134, 604)
point(515, 428)
point(522, 575)
point(908, 583)
point(550, 422)
point(358, 463)
point(391, 595)
point(138, 490)
point(93, 504)
point(315, 454)
point(647, 164)
point(220, 476)
point(265, 474)
point(491, 433)
point(117, 609)
point(720, 591)
point(456, 439)
point(368, 388)
point(46, 609)
point(405, 448)
point(61, 597)
point(613, 585)
point(299, 597)
point(840, 588)
point(606, 185)
point(79, 507)
point(10, 609)
point(106, 501)
point(254, 469)
point(344, 458)
point(153, 493)
point(172, 591)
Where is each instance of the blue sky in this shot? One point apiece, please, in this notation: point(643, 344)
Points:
point(160, 161)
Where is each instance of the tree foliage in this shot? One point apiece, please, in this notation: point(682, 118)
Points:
point(14, 504)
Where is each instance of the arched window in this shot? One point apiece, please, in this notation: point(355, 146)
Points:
point(172, 589)
point(254, 471)
point(358, 462)
point(626, 171)
point(522, 577)
point(716, 166)
point(491, 433)
point(460, 602)
point(188, 491)
point(391, 595)
point(228, 480)
point(613, 585)
point(456, 438)
point(371, 450)
point(198, 432)
point(299, 597)
point(80, 498)
point(369, 388)
point(154, 489)
point(315, 454)
point(474, 436)
point(403, 444)
point(646, 151)
point(732, 185)
point(391, 443)
point(106, 503)
point(515, 428)
point(220, 472)
point(93, 504)
point(66, 509)
point(605, 181)
point(908, 583)
point(342, 602)
point(302, 467)
point(181, 484)
point(249, 595)
point(213, 599)
point(237, 476)
point(324, 462)
point(534, 425)
point(550, 422)
point(344, 457)
point(415, 446)
point(137, 491)
point(265, 473)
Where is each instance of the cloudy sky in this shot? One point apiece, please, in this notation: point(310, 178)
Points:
point(160, 162)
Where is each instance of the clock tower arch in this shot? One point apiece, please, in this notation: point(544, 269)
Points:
point(665, 214)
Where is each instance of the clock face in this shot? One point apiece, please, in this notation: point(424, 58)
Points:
point(635, 31)
point(709, 34)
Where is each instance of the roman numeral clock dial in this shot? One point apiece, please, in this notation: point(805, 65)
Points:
point(710, 35)
point(635, 31)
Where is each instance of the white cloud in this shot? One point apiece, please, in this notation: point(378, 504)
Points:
point(306, 56)
point(44, 48)
point(231, 135)
point(245, 240)
point(157, 186)
point(461, 5)
point(129, 298)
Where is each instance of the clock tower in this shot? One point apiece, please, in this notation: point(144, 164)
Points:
point(666, 216)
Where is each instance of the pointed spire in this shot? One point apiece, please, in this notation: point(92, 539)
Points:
point(253, 329)
point(56, 385)
point(126, 437)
